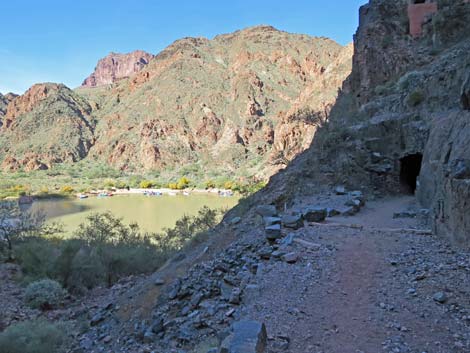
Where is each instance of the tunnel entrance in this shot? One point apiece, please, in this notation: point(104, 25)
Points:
point(410, 167)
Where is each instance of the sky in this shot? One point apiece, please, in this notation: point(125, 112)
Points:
point(61, 41)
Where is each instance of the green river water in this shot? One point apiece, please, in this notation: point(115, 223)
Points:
point(151, 213)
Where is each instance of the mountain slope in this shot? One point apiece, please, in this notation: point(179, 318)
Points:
point(48, 124)
point(239, 102)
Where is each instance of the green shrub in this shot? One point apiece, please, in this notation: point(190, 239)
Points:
point(37, 336)
point(121, 185)
point(415, 98)
point(109, 183)
point(146, 184)
point(173, 186)
point(66, 189)
point(189, 229)
point(112, 250)
point(229, 185)
point(409, 80)
point(45, 294)
point(209, 184)
point(182, 183)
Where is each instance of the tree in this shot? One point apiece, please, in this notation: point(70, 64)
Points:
point(16, 224)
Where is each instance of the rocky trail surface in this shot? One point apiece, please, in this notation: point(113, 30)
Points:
point(368, 287)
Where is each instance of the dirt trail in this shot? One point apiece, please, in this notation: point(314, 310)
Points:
point(367, 290)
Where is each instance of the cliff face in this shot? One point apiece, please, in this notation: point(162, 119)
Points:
point(116, 66)
point(401, 122)
point(48, 124)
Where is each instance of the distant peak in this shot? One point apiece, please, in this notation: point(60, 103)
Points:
point(116, 66)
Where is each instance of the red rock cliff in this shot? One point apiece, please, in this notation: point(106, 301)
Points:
point(117, 66)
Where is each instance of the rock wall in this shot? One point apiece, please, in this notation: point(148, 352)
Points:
point(117, 66)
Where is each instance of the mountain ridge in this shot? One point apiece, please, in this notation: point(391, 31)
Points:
point(237, 102)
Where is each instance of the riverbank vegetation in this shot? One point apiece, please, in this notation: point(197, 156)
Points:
point(67, 180)
point(101, 251)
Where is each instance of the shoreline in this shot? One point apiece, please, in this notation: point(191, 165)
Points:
point(159, 191)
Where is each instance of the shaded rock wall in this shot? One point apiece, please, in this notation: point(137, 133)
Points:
point(406, 99)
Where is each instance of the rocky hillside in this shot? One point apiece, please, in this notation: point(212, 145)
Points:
point(48, 124)
point(402, 126)
point(245, 103)
point(244, 100)
point(117, 66)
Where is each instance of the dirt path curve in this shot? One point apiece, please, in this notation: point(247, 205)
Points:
point(366, 290)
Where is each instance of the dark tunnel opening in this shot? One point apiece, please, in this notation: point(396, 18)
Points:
point(410, 167)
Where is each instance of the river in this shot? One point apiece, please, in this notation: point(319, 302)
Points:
point(151, 213)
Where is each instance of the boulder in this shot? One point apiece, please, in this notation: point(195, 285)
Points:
point(235, 220)
point(291, 257)
point(269, 221)
point(315, 214)
point(358, 195)
point(266, 210)
point(340, 190)
point(293, 221)
point(353, 203)
point(273, 232)
point(440, 297)
point(247, 337)
point(331, 212)
point(349, 211)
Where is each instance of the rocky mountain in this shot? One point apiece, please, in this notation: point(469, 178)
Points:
point(245, 103)
point(48, 124)
point(246, 100)
point(400, 124)
point(117, 66)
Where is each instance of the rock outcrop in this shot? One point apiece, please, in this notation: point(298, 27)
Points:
point(117, 66)
point(4, 101)
point(48, 124)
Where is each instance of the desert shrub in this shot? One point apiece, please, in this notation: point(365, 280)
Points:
point(188, 229)
point(146, 184)
point(229, 185)
point(16, 224)
point(409, 80)
point(14, 191)
point(173, 186)
point(37, 336)
point(121, 184)
point(66, 189)
point(182, 183)
point(113, 249)
point(209, 184)
point(415, 98)
point(109, 183)
point(45, 294)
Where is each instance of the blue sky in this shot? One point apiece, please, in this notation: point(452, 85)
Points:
point(61, 41)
